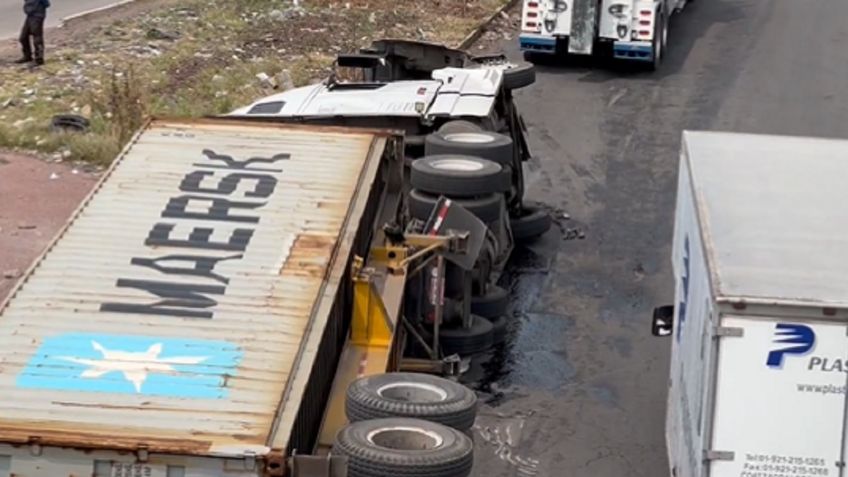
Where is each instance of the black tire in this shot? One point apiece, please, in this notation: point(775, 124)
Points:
point(465, 342)
point(457, 176)
point(459, 126)
point(486, 208)
point(531, 224)
point(499, 329)
point(414, 395)
point(658, 43)
point(402, 447)
point(491, 305)
point(485, 144)
point(519, 76)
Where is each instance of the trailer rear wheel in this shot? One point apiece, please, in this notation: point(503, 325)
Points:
point(487, 145)
point(467, 341)
point(458, 176)
point(492, 304)
point(499, 329)
point(531, 224)
point(459, 126)
point(404, 447)
point(413, 395)
point(486, 208)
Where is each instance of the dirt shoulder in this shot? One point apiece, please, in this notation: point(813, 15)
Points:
point(74, 31)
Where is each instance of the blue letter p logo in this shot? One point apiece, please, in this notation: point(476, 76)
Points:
point(801, 337)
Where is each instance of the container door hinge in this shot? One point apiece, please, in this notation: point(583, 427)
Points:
point(729, 331)
point(249, 460)
point(840, 463)
point(142, 453)
point(719, 455)
point(35, 446)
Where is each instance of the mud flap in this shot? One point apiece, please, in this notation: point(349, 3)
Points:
point(583, 25)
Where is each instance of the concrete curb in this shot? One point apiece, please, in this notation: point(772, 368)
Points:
point(482, 27)
point(93, 11)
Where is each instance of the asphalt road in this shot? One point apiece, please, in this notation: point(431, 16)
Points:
point(11, 13)
point(579, 390)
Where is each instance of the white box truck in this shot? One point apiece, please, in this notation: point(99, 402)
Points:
point(759, 328)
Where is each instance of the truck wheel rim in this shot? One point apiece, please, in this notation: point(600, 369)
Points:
point(469, 138)
point(412, 392)
point(458, 165)
point(405, 438)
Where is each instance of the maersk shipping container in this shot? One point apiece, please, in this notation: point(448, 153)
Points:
point(759, 361)
point(188, 320)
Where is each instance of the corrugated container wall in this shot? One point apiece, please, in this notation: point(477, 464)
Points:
point(183, 308)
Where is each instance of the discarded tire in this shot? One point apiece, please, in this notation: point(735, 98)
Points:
point(519, 76)
point(404, 447)
point(457, 176)
point(484, 144)
point(69, 123)
point(459, 126)
point(491, 305)
point(531, 224)
point(467, 341)
point(414, 395)
point(486, 208)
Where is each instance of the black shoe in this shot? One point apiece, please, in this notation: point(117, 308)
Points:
point(23, 60)
point(39, 61)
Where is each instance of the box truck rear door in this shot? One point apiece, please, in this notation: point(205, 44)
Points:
point(779, 399)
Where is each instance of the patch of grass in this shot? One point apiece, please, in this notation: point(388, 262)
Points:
point(121, 73)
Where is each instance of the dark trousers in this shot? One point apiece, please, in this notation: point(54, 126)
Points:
point(33, 27)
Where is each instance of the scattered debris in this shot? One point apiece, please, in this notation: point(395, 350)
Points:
point(157, 34)
point(12, 274)
point(25, 226)
point(267, 81)
point(284, 80)
point(53, 176)
point(22, 122)
point(572, 234)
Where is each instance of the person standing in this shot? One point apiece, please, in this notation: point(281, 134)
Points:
point(36, 12)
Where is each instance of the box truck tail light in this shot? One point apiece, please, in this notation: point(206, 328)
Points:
point(646, 13)
point(531, 14)
point(645, 22)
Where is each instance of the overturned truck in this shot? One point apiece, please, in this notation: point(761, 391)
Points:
point(250, 298)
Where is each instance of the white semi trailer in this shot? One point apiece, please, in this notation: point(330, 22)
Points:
point(627, 29)
point(759, 329)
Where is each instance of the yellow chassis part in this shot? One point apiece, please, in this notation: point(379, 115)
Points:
point(377, 301)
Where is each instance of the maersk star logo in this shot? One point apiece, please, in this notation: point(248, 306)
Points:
point(132, 365)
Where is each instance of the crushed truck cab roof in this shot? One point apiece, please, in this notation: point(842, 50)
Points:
point(182, 310)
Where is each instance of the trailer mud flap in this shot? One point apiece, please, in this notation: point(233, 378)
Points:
point(583, 25)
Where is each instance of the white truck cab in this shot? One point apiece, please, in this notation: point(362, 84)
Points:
point(629, 29)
